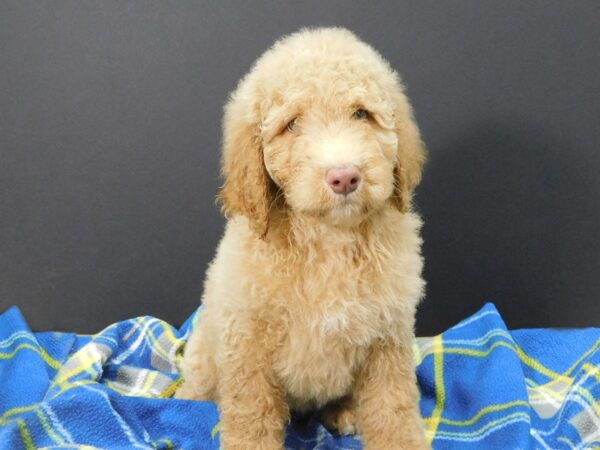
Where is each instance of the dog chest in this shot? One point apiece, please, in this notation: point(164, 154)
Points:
point(324, 347)
point(319, 364)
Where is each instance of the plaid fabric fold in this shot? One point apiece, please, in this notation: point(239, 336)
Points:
point(482, 387)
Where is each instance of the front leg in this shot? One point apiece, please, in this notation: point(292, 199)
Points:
point(388, 416)
point(253, 408)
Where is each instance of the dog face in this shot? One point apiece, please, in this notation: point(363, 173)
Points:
point(331, 149)
point(322, 122)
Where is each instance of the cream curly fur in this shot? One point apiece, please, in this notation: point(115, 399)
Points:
point(310, 300)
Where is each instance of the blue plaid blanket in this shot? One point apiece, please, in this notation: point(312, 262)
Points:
point(482, 387)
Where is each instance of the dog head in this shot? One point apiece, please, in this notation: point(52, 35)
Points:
point(320, 126)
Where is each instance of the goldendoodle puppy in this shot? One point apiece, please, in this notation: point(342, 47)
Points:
point(310, 300)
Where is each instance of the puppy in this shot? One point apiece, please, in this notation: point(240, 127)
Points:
point(310, 300)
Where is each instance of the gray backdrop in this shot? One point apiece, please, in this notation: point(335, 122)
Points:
point(109, 144)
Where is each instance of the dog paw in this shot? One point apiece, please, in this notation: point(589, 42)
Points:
point(340, 418)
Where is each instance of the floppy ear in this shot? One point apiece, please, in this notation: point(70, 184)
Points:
point(247, 188)
point(411, 154)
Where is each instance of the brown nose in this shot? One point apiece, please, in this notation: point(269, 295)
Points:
point(343, 179)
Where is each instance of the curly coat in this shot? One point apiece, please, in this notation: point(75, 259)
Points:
point(310, 300)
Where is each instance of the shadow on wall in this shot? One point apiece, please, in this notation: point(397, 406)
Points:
point(511, 216)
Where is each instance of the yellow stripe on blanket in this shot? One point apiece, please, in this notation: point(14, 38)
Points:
point(440, 393)
point(40, 351)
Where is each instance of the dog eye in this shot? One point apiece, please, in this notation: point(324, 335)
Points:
point(360, 114)
point(291, 126)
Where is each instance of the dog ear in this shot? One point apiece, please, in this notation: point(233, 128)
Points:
point(411, 156)
point(247, 189)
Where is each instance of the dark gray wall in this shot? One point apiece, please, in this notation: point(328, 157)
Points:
point(109, 141)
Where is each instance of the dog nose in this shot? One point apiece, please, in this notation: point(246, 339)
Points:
point(343, 179)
